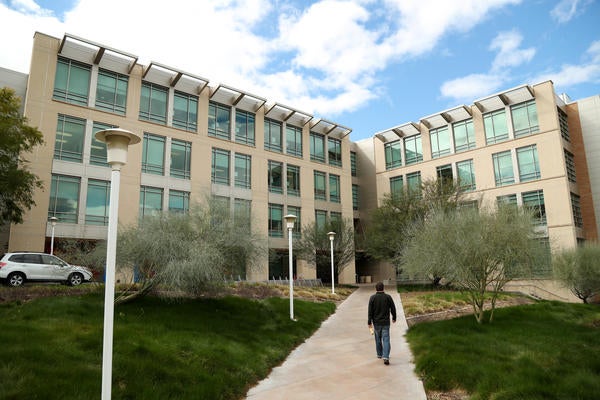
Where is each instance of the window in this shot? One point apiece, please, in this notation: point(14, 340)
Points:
point(507, 200)
point(153, 103)
point(317, 147)
point(185, 111)
point(570, 164)
point(181, 155)
point(151, 200)
point(464, 136)
point(293, 137)
point(275, 220)
point(336, 219)
point(243, 171)
point(393, 155)
point(469, 205)
point(244, 127)
point(153, 154)
point(527, 160)
point(444, 173)
point(503, 168)
point(564, 125)
point(272, 135)
point(496, 129)
point(97, 203)
point(293, 180)
point(72, 82)
point(413, 149)
point(396, 185)
point(70, 134)
point(298, 224)
point(111, 92)
point(64, 198)
point(98, 148)
point(275, 178)
point(320, 219)
point(353, 163)
point(534, 201)
point(525, 119)
point(320, 189)
point(242, 212)
point(466, 175)
point(220, 167)
point(576, 208)
point(219, 120)
point(179, 201)
point(334, 188)
point(334, 151)
point(440, 142)
point(413, 182)
point(355, 197)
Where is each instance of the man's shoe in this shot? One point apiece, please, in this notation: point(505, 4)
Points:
point(378, 356)
point(386, 361)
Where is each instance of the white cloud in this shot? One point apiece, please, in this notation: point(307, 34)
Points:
point(574, 74)
point(509, 54)
point(471, 86)
point(565, 10)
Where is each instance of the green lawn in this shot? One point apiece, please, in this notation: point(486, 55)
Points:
point(548, 350)
point(194, 349)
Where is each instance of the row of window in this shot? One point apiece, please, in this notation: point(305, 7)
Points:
point(276, 222)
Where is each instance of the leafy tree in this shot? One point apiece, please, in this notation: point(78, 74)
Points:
point(17, 185)
point(579, 270)
point(314, 245)
point(479, 252)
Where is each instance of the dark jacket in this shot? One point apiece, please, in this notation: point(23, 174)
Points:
point(380, 307)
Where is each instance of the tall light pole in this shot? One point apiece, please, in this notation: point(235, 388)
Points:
point(53, 221)
point(289, 223)
point(331, 236)
point(117, 142)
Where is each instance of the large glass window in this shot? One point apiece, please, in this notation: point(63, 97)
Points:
point(275, 220)
point(355, 197)
point(151, 200)
point(534, 201)
point(396, 185)
point(525, 119)
point(444, 173)
point(72, 82)
point(70, 134)
point(466, 175)
point(496, 129)
point(275, 177)
point(242, 211)
point(527, 160)
point(64, 198)
point(219, 120)
point(503, 168)
point(570, 164)
point(440, 142)
point(334, 151)
point(111, 91)
point(293, 136)
point(464, 136)
point(185, 111)
point(320, 218)
point(320, 185)
point(298, 223)
point(220, 167)
point(181, 156)
point(244, 127)
point(98, 148)
point(334, 188)
point(153, 154)
point(153, 103)
point(97, 203)
point(293, 180)
point(179, 201)
point(317, 147)
point(413, 149)
point(243, 171)
point(576, 209)
point(272, 135)
point(353, 163)
point(393, 155)
point(413, 182)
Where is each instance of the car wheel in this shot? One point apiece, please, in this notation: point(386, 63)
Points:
point(75, 279)
point(15, 279)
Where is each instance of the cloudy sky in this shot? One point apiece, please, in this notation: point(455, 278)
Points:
point(365, 64)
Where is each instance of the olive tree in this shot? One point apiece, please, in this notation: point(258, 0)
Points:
point(479, 252)
point(579, 270)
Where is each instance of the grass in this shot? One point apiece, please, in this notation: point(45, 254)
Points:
point(547, 350)
point(195, 349)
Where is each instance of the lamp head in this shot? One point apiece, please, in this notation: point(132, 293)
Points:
point(331, 235)
point(53, 220)
point(117, 141)
point(289, 221)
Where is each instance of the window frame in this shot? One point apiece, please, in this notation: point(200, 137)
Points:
point(320, 193)
point(245, 181)
point(186, 149)
point(220, 178)
point(273, 137)
point(293, 137)
point(190, 120)
point(492, 123)
point(245, 135)
point(215, 126)
point(148, 111)
point(153, 167)
point(499, 177)
point(119, 89)
point(315, 151)
point(393, 154)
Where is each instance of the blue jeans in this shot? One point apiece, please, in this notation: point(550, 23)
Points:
point(382, 341)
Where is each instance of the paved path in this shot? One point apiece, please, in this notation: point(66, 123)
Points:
point(339, 361)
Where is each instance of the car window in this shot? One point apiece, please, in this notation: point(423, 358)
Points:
point(51, 260)
point(16, 258)
point(32, 258)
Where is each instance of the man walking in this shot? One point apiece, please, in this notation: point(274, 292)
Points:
point(381, 305)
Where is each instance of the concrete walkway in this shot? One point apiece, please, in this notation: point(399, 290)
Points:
point(339, 361)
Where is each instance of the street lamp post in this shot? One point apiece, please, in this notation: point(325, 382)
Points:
point(289, 222)
point(117, 142)
point(331, 236)
point(53, 221)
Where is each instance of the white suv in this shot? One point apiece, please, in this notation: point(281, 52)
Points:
point(16, 268)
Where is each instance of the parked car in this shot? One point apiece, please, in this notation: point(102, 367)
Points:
point(19, 267)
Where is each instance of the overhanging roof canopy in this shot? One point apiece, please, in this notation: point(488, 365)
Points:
point(330, 128)
point(446, 117)
point(89, 52)
point(287, 114)
point(171, 77)
point(499, 100)
point(228, 95)
point(397, 132)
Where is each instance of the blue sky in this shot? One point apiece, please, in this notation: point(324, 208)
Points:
point(365, 64)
